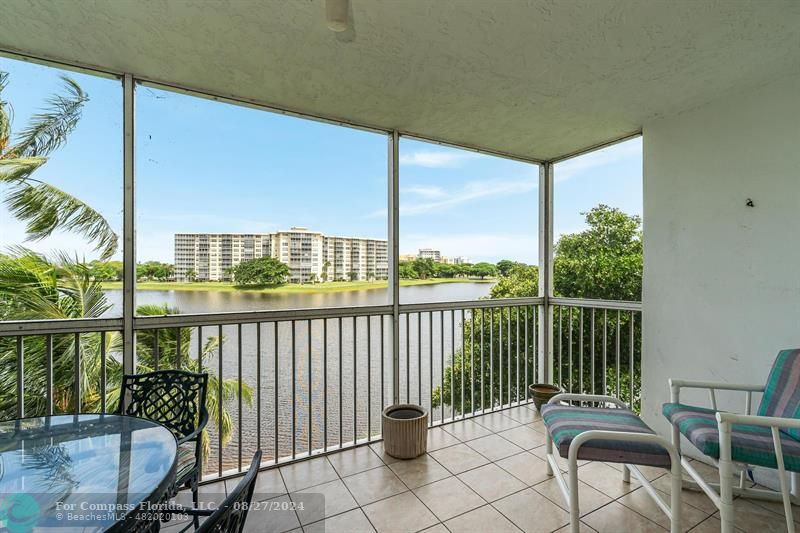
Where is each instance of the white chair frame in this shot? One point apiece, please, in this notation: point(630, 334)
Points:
point(723, 499)
point(673, 510)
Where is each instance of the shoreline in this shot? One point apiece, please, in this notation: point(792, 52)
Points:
point(289, 288)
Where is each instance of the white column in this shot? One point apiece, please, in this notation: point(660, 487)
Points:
point(394, 247)
point(128, 230)
point(545, 370)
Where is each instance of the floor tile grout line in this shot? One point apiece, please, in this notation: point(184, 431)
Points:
point(522, 450)
point(612, 500)
point(509, 518)
point(393, 495)
point(486, 504)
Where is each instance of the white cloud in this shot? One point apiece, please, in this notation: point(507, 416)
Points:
point(471, 191)
point(425, 192)
point(431, 159)
point(607, 156)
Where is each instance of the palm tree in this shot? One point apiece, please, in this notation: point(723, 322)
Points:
point(34, 287)
point(42, 206)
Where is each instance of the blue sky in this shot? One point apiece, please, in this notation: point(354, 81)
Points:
point(205, 166)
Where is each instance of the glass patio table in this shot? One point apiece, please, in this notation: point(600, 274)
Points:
point(89, 472)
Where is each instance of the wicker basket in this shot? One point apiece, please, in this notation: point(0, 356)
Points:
point(405, 430)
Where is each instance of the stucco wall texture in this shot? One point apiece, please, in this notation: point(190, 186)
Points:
point(721, 279)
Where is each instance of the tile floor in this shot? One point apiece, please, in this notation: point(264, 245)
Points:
point(484, 474)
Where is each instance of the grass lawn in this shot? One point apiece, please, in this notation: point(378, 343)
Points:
point(331, 286)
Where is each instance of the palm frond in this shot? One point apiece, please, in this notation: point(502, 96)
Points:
point(33, 287)
point(50, 128)
point(46, 208)
point(19, 169)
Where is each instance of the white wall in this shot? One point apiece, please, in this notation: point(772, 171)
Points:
point(721, 280)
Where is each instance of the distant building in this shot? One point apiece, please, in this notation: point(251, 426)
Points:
point(310, 255)
point(434, 255)
point(428, 253)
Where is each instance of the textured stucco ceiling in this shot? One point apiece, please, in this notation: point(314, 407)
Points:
point(533, 78)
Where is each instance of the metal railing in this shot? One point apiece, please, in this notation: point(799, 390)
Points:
point(597, 347)
point(297, 383)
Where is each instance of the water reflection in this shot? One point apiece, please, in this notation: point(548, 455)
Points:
point(221, 301)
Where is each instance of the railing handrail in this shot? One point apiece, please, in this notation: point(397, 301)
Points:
point(470, 304)
point(622, 305)
point(253, 317)
point(87, 325)
point(13, 328)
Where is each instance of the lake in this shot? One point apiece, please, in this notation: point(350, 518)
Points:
point(355, 347)
point(221, 301)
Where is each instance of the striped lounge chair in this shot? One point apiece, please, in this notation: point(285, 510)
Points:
point(610, 434)
point(769, 439)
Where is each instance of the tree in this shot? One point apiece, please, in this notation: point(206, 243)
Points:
point(604, 262)
point(325, 266)
point(406, 271)
point(352, 275)
point(483, 270)
point(191, 275)
point(520, 281)
point(504, 266)
point(106, 270)
point(443, 270)
point(154, 270)
point(42, 206)
point(424, 268)
point(35, 287)
point(260, 271)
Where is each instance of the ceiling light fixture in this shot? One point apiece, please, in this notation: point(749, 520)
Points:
point(337, 14)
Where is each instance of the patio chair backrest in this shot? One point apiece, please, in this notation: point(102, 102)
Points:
point(782, 393)
point(231, 515)
point(173, 398)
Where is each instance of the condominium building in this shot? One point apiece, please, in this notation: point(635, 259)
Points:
point(310, 255)
point(428, 253)
point(457, 260)
point(434, 255)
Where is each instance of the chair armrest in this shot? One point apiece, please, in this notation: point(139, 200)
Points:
point(687, 384)
point(197, 432)
point(763, 421)
point(191, 436)
point(568, 397)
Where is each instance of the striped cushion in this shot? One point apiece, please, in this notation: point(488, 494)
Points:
point(186, 459)
point(749, 444)
point(565, 423)
point(782, 394)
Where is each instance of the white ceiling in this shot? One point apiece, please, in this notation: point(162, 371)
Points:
point(536, 78)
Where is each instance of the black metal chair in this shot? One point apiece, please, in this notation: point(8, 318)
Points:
point(231, 514)
point(177, 400)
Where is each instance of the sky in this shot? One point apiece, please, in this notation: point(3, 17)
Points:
point(206, 166)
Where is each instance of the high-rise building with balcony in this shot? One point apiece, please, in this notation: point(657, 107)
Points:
point(310, 255)
point(428, 253)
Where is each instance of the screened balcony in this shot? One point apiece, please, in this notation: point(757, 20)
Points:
point(709, 90)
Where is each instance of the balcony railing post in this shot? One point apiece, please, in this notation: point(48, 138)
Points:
point(394, 250)
point(128, 230)
point(545, 359)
